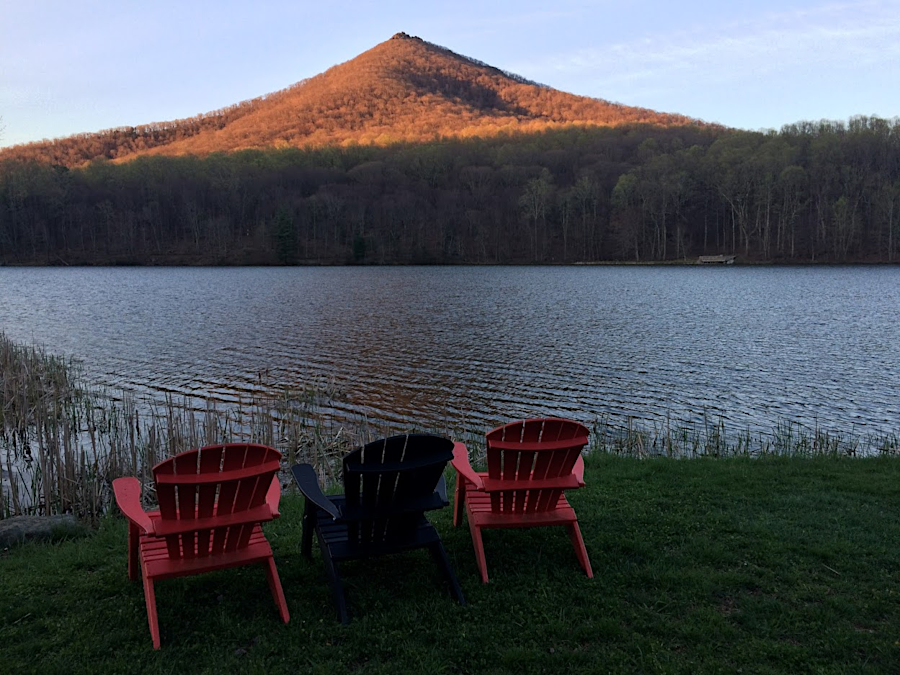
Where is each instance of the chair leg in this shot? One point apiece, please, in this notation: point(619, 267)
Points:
point(277, 591)
point(479, 549)
point(439, 553)
point(459, 499)
point(309, 524)
point(580, 550)
point(336, 586)
point(134, 548)
point(152, 619)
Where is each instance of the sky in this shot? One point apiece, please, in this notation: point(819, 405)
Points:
point(70, 67)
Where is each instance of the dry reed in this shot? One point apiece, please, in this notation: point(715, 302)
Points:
point(63, 443)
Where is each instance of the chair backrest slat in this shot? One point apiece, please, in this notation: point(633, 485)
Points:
point(210, 462)
point(531, 450)
point(166, 495)
point(248, 496)
point(232, 459)
point(391, 478)
point(242, 475)
point(186, 502)
point(495, 469)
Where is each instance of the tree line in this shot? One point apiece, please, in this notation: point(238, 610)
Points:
point(813, 191)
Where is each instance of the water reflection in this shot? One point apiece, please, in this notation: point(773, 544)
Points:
point(482, 344)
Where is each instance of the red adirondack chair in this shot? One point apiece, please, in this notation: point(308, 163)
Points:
point(211, 503)
point(530, 464)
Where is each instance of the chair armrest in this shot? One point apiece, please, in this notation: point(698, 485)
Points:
point(305, 477)
point(460, 462)
point(128, 498)
point(578, 470)
point(273, 496)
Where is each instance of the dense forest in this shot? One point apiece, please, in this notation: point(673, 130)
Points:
point(823, 192)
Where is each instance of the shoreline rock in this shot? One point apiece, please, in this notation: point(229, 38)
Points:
point(20, 529)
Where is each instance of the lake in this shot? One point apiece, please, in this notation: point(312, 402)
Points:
point(476, 346)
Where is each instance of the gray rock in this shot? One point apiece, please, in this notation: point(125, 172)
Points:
point(37, 528)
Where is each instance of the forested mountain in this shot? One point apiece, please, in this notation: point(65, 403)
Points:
point(404, 89)
point(412, 154)
point(812, 192)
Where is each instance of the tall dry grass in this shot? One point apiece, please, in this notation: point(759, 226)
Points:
point(62, 443)
point(712, 438)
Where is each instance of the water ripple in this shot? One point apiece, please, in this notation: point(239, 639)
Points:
point(424, 346)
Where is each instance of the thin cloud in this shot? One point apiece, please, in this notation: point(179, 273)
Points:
point(845, 36)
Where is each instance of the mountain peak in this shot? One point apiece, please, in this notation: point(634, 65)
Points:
point(402, 90)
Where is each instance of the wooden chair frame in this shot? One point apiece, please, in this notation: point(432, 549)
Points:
point(530, 465)
point(389, 484)
point(212, 501)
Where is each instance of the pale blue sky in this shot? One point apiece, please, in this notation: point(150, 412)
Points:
point(70, 66)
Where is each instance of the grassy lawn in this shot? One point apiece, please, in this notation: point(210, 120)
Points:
point(707, 565)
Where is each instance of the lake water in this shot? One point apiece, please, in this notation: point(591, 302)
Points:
point(426, 346)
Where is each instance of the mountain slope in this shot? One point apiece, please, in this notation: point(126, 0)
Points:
point(404, 89)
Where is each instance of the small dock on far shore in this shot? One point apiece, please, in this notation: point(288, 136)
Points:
point(716, 260)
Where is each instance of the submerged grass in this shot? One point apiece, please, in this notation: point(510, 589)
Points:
point(769, 565)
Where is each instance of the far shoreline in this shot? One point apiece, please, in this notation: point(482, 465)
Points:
point(595, 263)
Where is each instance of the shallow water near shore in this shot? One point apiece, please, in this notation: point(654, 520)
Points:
point(475, 346)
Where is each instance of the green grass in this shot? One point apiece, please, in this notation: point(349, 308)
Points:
point(768, 565)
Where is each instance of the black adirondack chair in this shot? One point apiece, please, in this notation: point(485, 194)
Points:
point(388, 486)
